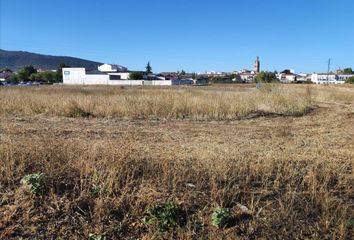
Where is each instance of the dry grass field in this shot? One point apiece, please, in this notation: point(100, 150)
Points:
point(278, 160)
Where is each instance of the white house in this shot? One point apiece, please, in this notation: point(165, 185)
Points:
point(248, 76)
point(287, 77)
point(330, 78)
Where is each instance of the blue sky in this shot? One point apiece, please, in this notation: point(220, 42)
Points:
point(194, 35)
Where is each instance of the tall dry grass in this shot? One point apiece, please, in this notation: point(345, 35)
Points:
point(342, 94)
point(288, 198)
point(295, 176)
point(145, 103)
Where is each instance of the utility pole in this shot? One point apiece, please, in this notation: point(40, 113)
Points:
point(328, 69)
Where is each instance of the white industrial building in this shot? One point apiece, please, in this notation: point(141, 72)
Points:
point(330, 78)
point(107, 74)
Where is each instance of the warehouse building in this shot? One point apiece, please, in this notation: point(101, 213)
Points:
point(106, 74)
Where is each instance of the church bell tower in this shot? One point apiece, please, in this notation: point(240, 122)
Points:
point(257, 65)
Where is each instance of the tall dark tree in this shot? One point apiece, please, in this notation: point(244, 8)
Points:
point(25, 73)
point(30, 69)
point(148, 68)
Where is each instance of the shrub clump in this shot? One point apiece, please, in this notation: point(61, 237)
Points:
point(74, 110)
point(34, 182)
point(220, 217)
point(166, 216)
point(350, 80)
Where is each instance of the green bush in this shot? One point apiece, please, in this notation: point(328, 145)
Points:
point(220, 217)
point(35, 183)
point(135, 76)
point(266, 77)
point(166, 216)
point(350, 80)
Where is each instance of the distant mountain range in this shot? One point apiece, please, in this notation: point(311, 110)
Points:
point(15, 60)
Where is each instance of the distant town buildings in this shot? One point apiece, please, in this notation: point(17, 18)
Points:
point(5, 74)
point(114, 74)
point(249, 76)
point(289, 76)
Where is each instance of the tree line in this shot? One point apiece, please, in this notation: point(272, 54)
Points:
point(30, 73)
